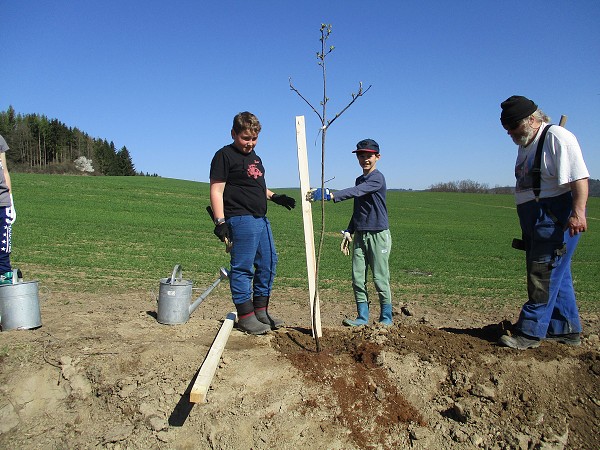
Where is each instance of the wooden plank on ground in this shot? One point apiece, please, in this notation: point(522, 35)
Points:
point(309, 235)
point(209, 366)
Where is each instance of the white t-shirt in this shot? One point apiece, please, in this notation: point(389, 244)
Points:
point(562, 163)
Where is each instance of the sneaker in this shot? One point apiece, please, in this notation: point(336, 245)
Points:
point(6, 278)
point(568, 339)
point(519, 341)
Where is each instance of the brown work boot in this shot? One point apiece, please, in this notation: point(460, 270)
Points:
point(573, 339)
point(519, 341)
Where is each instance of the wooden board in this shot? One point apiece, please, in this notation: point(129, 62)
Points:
point(309, 235)
point(209, 366)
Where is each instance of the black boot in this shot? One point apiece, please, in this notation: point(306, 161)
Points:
point(261, 309)
point(247, 320)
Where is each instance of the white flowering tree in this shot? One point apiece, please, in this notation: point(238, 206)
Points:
point(84, 164)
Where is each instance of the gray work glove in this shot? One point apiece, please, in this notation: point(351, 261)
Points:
point(345, 245)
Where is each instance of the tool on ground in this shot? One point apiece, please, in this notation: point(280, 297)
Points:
point(174, 297)
point(228, 243)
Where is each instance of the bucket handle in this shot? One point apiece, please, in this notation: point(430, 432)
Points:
point(177, 269)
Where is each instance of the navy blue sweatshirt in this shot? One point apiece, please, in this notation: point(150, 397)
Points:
point(370, 210)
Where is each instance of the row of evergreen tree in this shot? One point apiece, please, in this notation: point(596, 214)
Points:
point(47, 145)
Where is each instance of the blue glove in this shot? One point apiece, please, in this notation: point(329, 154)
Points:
point(318, 194)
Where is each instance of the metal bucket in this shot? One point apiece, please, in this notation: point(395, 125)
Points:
point(19, 306)
point(174, 299)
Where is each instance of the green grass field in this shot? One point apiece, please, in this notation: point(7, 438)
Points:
point(101, 234)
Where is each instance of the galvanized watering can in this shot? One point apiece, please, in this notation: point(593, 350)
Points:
point(175, 294)
point(19, 305)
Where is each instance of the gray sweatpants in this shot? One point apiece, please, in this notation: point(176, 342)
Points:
point(372, 249)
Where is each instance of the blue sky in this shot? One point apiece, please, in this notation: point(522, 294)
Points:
point(166, 78)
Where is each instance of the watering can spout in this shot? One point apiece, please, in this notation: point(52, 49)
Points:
point(222, 275)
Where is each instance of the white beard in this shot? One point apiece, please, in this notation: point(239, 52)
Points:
point(525, 138)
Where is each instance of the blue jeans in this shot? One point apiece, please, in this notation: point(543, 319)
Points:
point(6, 241)
point(253, 258)
point(551, 306)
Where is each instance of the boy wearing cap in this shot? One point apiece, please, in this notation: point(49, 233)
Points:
point(370, 227)
point(551, 195)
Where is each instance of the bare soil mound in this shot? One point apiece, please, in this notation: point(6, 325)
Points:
point(101, 372)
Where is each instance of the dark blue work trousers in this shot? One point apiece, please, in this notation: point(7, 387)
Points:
point(551, 307)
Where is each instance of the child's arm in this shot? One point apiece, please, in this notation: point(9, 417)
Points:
point(370, 186)
point(216, 198)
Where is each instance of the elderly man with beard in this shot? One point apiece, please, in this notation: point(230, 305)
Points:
point(551, 195)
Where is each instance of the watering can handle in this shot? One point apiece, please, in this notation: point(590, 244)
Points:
point(176, 269)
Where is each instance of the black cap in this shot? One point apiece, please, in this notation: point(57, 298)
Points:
point(367, 145)
point(516, 108)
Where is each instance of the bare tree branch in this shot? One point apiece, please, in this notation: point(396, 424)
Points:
point(355, 97)
point(307, 102)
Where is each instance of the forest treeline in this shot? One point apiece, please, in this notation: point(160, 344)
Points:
point(473, 187)
point(39, 144)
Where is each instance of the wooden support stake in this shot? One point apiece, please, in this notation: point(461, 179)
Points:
point(209, 366)
point(309, 235)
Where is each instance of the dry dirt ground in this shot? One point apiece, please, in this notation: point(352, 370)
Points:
point(101, 372)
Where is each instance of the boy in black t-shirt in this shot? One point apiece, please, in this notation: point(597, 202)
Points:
point(238, 197)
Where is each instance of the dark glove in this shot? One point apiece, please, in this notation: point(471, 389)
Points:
point(222, 232)
point(284, 200)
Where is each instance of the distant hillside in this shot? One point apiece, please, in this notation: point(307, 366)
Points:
point(43, 145)
point(474, 187)
point(594, 188)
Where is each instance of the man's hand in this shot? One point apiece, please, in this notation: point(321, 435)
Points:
point(345, 245)
point(576, 224)
point(284, 200)
point(319, 194)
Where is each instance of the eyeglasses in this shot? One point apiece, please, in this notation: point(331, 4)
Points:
point(518, 123)
point(514, 126)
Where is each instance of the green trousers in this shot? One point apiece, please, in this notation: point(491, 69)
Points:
point(372, 249)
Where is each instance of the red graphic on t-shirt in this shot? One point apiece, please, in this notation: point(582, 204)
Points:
point(254, 171)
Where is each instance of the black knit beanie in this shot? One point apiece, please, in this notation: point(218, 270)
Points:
point(516, 108)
